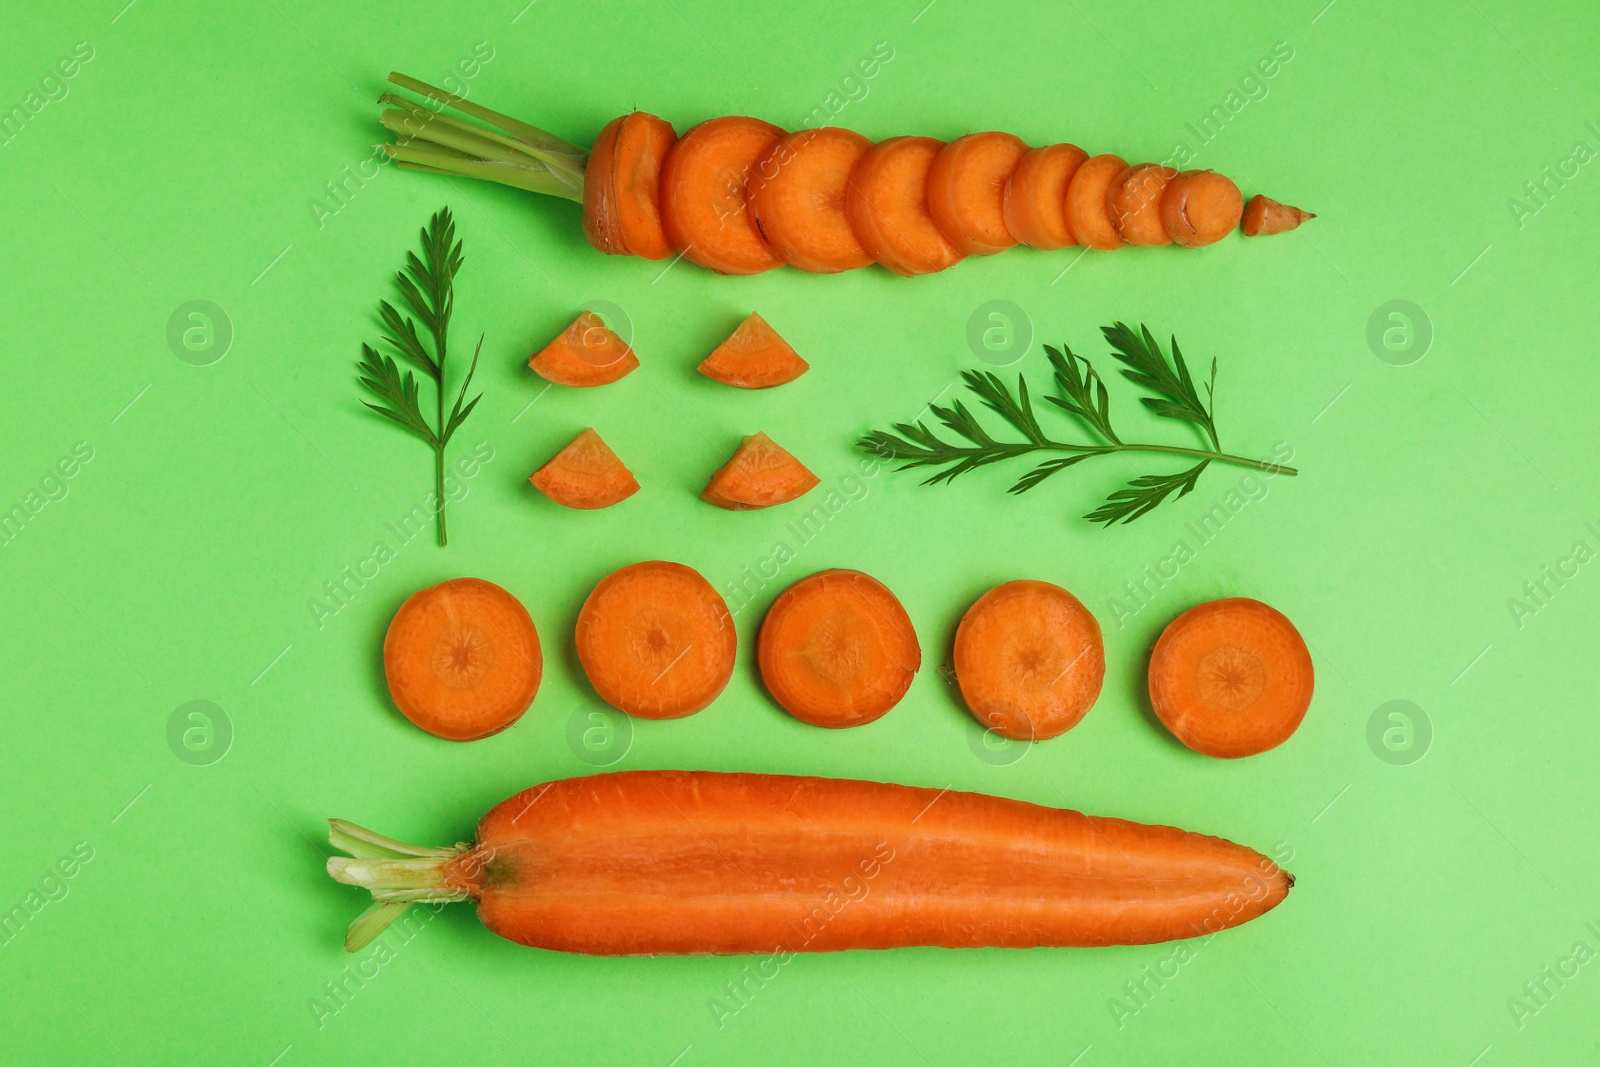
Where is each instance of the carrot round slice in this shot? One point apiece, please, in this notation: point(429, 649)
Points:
point(837, 649)
point(1136, 204)
point(760, 475)
point(1088, 207)
point(704, 196)
point(1029, 659)
point(1231, 678)
point(887, 204)
point(622, 187)
point(585, 475)
point(585, 354)
point(462, 659)
point(754, 357)
point(797, 195)
point(967, 191)
point(1264, 216)
point(1036, 196)
point(601, 224)
point(1201, 207)
point(656, 640)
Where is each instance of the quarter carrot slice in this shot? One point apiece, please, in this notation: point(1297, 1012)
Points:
point(754, 357)
point(797, 195)
point(837, 649)
point(967, 191)
point(760, 474)
point(622, 187)
point(1036, 196)
point(1136, 204)
point(704, 199)
point(585, 475)
point(1201, 207)
point(1088, 207)
point(462, 659)
point(1264, 216)
point(887, 205)
point(1029, 659)
point(1231, 678)
point(656, 640)
point(585, 354)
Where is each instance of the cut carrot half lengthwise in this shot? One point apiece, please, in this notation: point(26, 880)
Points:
point(837, 649)
point(967, 191)
point(1231, 678)
point(656, 640)
point(754, 357)
point(1264, 216)
point(622, 187)
point(761, 474)
point(462, 659)
point(704, 197)
point(1200, 207)
point(797, 195)
point(585, 354)
point(698, 862)
point(585, 475)
point(887, 205)
point(1036, 196)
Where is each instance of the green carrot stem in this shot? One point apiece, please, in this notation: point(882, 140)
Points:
point(533, 177)
point(534, 136)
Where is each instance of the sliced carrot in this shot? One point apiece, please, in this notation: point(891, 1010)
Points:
point(1029, 659)
point(622, 187)
point(704, 197)
point(462, 659)
point(1200, 207)
point(601, 224)
point(585, 475)
point(585, 354)
point(760, 474)
point(797, 195)
point(837, 649)
point(1264, 216)
point(967, 191)
point(1036, 196)
point(1231, 678)
point(1136, 204)
point(656, 640)
point(754, 357)
point(1088, 207)
point(887, 205)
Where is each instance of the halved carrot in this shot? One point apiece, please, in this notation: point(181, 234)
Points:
point(887, 204)
point(1036, 196)
point(622, 187)
point(462, 659)
point(656, 640)
point(585, 475)
point(967, 191)
point(1029, 659)
point(754, 357)
point(1264, 216)
point(1088, 202)
point(1231, 678)
point(1136, 204)
point(797, 195)
point(585, 354)
point(704, 200)
point(1201, 207)
point(760, 474)
point(837, 649)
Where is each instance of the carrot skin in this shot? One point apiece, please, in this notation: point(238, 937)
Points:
point(602, 224)
point(1264, 216)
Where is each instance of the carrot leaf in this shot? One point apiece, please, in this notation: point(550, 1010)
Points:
point(1146, 365)
point(1144, 494)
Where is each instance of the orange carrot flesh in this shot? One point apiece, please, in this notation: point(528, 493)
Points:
point(1036, 196)
point(1088, 207)
point(601, 222)
point(760, 474)
point(1231, 678)
point(887, 204)
point(754, 357)
point(584, 355)
point(656, 641)
point(462, 659)
point(1136, 204)
point(1201, 207)
point(837, 649)
point(585, 475)
point(642, 146)
point(704, 197)
point(797, 195)
point(1029, 659)
point(1264, 216)
point(967, 191)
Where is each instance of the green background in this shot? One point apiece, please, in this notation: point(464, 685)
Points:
point(183, 164)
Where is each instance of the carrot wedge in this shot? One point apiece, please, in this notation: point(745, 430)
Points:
point(754, 357)
point(704, 196)
point(1136, 204)
point(585, 354)
point(1264, 216)
point(585, 475)
point(887, 205)
point(797, 195)
point(1088, 206)
point(1201, 207)
point(1036, 196)
point(967, 191)
point(760, 475)
point(622, 187)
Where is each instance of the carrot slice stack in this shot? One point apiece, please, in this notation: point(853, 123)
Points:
point(1088, 207)
point(585, 354)
point(585, 475)
point(967, 191)
point(704, 197)
point(760, 475)
point(798, 193)
point(1036, 196)
point(887, 204)
point(754, 357)
point(1201, 207)
point(622, 187)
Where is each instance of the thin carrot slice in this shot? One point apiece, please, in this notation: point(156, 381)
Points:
point(462, 659)
point(622, 187)
point(601, 222)
point(967, 191)
point(586, 354)
point(1264, 216)
point(1231, 678)
point(760, 474)
point(1036, 196)
point(837, 649)
point(1088, 207)
point(797, 195)
point(1029, 659)
point(754, 357)
point(887, 205)
point(585, 475)
point(656, 640)
point(704, 197)
point(1201, 207)
point(1136, 204)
